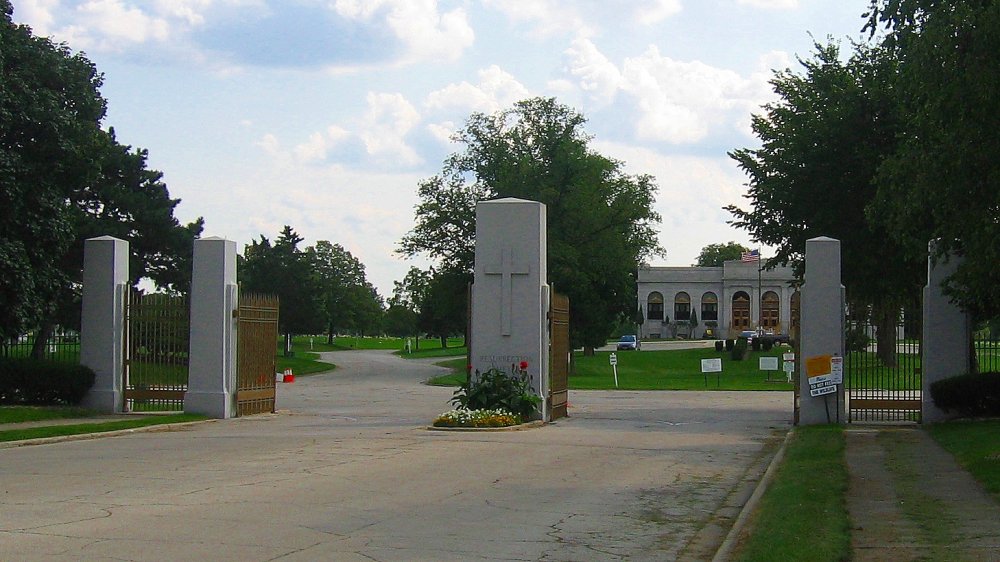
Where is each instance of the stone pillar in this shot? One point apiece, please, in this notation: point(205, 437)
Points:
point(102, 328)
point(212, 359)
point(822, 329)
point(509, 294)
point(947, 332)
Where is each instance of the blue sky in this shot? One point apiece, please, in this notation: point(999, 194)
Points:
point(325, 114)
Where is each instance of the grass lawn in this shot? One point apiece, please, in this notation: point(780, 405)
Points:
point(304, 363)
point(802, 515)
point(78, 429)
point(18, 414)
point(657, 370)
point(976, 445)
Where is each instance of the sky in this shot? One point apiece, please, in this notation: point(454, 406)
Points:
point(326, 114)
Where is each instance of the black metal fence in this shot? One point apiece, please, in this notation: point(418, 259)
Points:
point(62, 344)
point(883, 373)
point(986, 341)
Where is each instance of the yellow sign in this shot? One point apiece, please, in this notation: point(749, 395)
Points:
point(818, 365)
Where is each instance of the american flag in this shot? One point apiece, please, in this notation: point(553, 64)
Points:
point(751, 256)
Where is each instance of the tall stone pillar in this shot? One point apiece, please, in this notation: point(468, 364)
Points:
point(510, 301)
point(102, 328)
point(947, 332)
point(822, 329)
point(212, 358)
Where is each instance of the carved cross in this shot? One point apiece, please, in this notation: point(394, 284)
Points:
point(508, 268)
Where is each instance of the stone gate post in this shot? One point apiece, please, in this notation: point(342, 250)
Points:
point(822, 329)
point(102, 327)
point(947, 332)
point(212, 358)
point(509, 294)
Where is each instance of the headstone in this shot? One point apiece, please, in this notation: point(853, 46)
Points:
point(510, 300)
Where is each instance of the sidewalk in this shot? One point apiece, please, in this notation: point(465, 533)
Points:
point(910, 500)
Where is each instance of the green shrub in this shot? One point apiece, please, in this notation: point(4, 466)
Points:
point(767, 343)
point(970, 395)
point(730, 344)
point(25, 381)
point(497, 390)
point(755, 344)
point(719, 345)
point(856, 340)
point(740, 349)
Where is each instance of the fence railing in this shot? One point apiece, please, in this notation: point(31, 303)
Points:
point(61, 345)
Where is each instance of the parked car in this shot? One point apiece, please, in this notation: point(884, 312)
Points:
point(749, 335)
point(628, 343)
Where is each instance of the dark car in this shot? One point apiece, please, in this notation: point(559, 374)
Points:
point(628, 343)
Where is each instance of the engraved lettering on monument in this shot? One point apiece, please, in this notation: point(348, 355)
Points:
point(508, 268)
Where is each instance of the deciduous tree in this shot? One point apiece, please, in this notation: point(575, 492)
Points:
point(714, 255)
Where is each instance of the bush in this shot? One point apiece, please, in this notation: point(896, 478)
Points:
point(767, 343)
point(719, 345)
point(740, 349)
point(970, 395)
point(755, 344)
point(496, 390)
point(856, 340)
point(26, 381)
point(730, 344)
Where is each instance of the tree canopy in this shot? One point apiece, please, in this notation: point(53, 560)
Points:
point(600, 219)
point(714, 255)
point(64, 179)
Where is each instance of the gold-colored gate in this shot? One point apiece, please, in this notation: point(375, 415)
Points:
point(257, 332)
point(558, 356)
point(156, 351)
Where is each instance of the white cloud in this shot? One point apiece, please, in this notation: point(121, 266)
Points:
point(596, 74)
point(390, 117)
point(771, 4)
point(547, 17)
point(117, 25)
point(315, 149)
point(426, 33)
point(37, 14)
point(442, 131)
point(495, 90)
point(656, 11)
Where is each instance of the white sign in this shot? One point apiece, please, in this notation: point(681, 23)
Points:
point(788, 356)
point(711, 365)
point(820, 391)
point(789, 366)
point(613, 359)
point(837, 369)
point(822, 379)
point(768, 363)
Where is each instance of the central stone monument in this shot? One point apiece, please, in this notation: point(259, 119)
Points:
point(510, 299)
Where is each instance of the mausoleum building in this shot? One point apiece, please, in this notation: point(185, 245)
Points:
point(684, 302)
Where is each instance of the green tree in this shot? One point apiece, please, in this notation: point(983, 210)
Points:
point(600, 219)
point(408, 294)
point(822, 143)
point(284, 270)
point(345, 288)
point(444, 305)
point(943, 179)
point(714, 255)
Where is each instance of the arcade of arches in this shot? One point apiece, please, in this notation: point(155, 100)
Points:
point(688, 301)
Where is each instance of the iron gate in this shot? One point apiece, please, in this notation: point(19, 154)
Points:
point(257, 332)
point(883, 372)
point(156, 351)
point(558, 356)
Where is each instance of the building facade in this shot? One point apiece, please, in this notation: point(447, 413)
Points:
point(684, 302)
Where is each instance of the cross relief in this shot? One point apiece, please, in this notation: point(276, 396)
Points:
point(506, 269)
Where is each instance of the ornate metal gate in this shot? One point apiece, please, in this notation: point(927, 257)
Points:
point(883, 373)
point(257, 334)
point(156, 351)
point(559, 351)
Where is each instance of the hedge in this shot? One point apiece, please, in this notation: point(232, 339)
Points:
point(27, 381)
point(971, 395)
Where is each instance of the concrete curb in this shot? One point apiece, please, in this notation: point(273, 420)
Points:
point(97, 435)
point(521, 427)
point(726, 548)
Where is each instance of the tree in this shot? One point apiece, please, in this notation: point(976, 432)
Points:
point(444, 306)
point(600, 219)
point(714, 255)
point(284, 270)
point(822, 145)
point(408, 295)
point(50, 109)
point(943, 178)
point(344, 287)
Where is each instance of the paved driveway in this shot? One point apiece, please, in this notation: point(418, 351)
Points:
point(347, 471)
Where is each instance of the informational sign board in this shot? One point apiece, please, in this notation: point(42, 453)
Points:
point(818, 365)
point(837, 369)
point(713, 365)
point(614, 359)
point(819, 370)
point(768, 363)
point(788, 357)
point(788, 367)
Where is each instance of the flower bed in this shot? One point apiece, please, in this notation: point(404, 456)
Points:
point(477, 418)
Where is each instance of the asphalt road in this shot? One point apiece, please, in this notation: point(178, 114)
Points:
point(348, 471)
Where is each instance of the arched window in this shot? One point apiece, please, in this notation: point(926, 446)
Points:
point(741, 312)
point(709, 306)
point(682, 306)
point(654, 306)
point(770, 307)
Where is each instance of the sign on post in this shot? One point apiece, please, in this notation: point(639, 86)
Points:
point(821, 378)
point(614, 366)
point(713, 365)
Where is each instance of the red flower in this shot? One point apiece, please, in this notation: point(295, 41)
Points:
point(468, 367)
point(523, 365)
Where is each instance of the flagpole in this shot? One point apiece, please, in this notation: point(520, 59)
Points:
point(760, 296)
